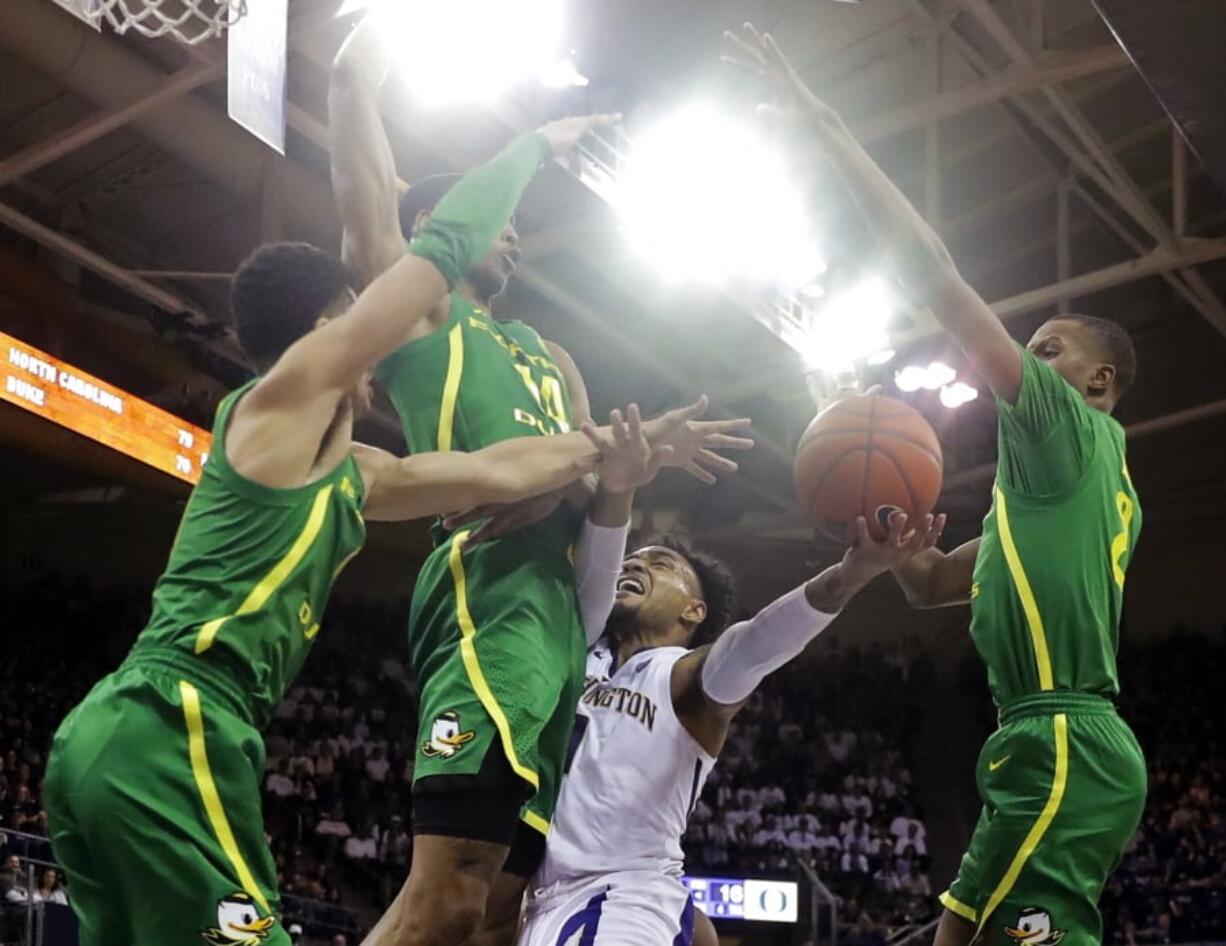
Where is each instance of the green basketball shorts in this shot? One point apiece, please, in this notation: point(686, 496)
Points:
point(153, 800)
point(498, 648)
point(1063, 786)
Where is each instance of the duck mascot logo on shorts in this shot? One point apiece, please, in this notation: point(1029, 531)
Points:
point(1033, 928)
point(239, 923)
point(446, 739)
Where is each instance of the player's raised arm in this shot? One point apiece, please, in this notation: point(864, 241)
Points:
point(278, 427)
point(364, 179)
point(936, 579)
point(920, 258)
point(710, 685)
point(430, 484)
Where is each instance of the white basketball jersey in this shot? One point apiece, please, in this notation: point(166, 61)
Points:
point(633, 773)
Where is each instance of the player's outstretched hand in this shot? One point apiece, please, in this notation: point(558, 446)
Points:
point(869, 557)
point(759, 54)
point(632, 451)
point(563, 134)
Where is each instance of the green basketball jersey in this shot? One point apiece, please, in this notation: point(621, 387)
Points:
point(475, 382)
point(1049, 580)
point(249, 576)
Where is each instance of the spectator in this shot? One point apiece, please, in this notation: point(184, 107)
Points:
point(14, 885)
point(279, 782)
point(363, 846)
point(50, 889)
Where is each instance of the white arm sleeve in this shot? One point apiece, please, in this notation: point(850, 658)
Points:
point(598, 563)
point(747, 652)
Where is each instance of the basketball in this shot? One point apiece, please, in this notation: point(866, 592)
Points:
point(865, 456)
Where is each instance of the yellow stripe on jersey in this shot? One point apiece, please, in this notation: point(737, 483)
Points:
point(1034, 620)
point(1046, 816)
point(208, 793)
point(468, 652)
point(451, 386)
point(267, 585)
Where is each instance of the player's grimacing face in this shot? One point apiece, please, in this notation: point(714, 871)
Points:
point(656, 586)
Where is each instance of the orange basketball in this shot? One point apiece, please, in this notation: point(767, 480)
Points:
point(865, 456)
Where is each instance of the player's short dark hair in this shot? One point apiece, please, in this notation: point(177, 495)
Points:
point(1117, 348)
point(715, 581)
point(424, 195)
point(279, 293)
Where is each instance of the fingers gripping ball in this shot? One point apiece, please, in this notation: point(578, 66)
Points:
point(865, 456)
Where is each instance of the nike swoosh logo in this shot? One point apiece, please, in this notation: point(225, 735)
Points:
point(994, 765)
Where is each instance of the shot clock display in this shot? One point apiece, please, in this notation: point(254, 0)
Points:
point(53, 389)
point(728, 898)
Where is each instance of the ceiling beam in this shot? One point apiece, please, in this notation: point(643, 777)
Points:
point(1061, 68)
point(1119, 184)
point(67, 247)
point(106, 121)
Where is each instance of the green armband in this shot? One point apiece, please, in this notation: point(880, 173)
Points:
point(467, 221)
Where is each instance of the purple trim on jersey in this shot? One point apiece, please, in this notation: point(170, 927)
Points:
point(587, 920)
point(686, 936)
point(689, 809)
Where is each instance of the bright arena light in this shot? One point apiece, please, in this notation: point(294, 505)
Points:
point(852, 325)
point(562, 75)
point(704, 198)
point(939, 375)
point(883, 357)
point(445, 61)
point(955, 395)
point(936, 375)
point(910, 379)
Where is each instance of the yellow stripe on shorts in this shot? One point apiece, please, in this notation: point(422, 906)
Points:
point(472, 666)
point(208, 793)
point(1046, 816)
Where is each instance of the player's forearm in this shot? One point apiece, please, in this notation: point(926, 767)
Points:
point(936, 579)
point(746, 653)
point(365, 56)
point(468, 220)
point(460, 233)
point(830, 591)
point(599, 557)
point(920, 258)
point(363, 169)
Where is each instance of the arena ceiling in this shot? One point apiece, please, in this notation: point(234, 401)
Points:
point(1019, 126)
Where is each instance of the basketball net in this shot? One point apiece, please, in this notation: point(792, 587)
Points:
point(188, 21)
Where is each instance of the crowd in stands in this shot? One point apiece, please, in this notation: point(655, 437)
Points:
point(815, 769)
point(1171, 885)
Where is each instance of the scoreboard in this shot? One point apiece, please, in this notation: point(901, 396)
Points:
point(33, 380)
point(727, 898)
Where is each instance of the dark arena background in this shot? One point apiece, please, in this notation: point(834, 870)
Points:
point(1071, 155)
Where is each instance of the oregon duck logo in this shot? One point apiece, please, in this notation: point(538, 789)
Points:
point(446, 739)
point(238, 923)
point(1034, 928)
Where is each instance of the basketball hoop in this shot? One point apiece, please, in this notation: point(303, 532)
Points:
point(188, 21)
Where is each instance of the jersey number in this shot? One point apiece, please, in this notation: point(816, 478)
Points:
point(548, 397)
point(1119, 545)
